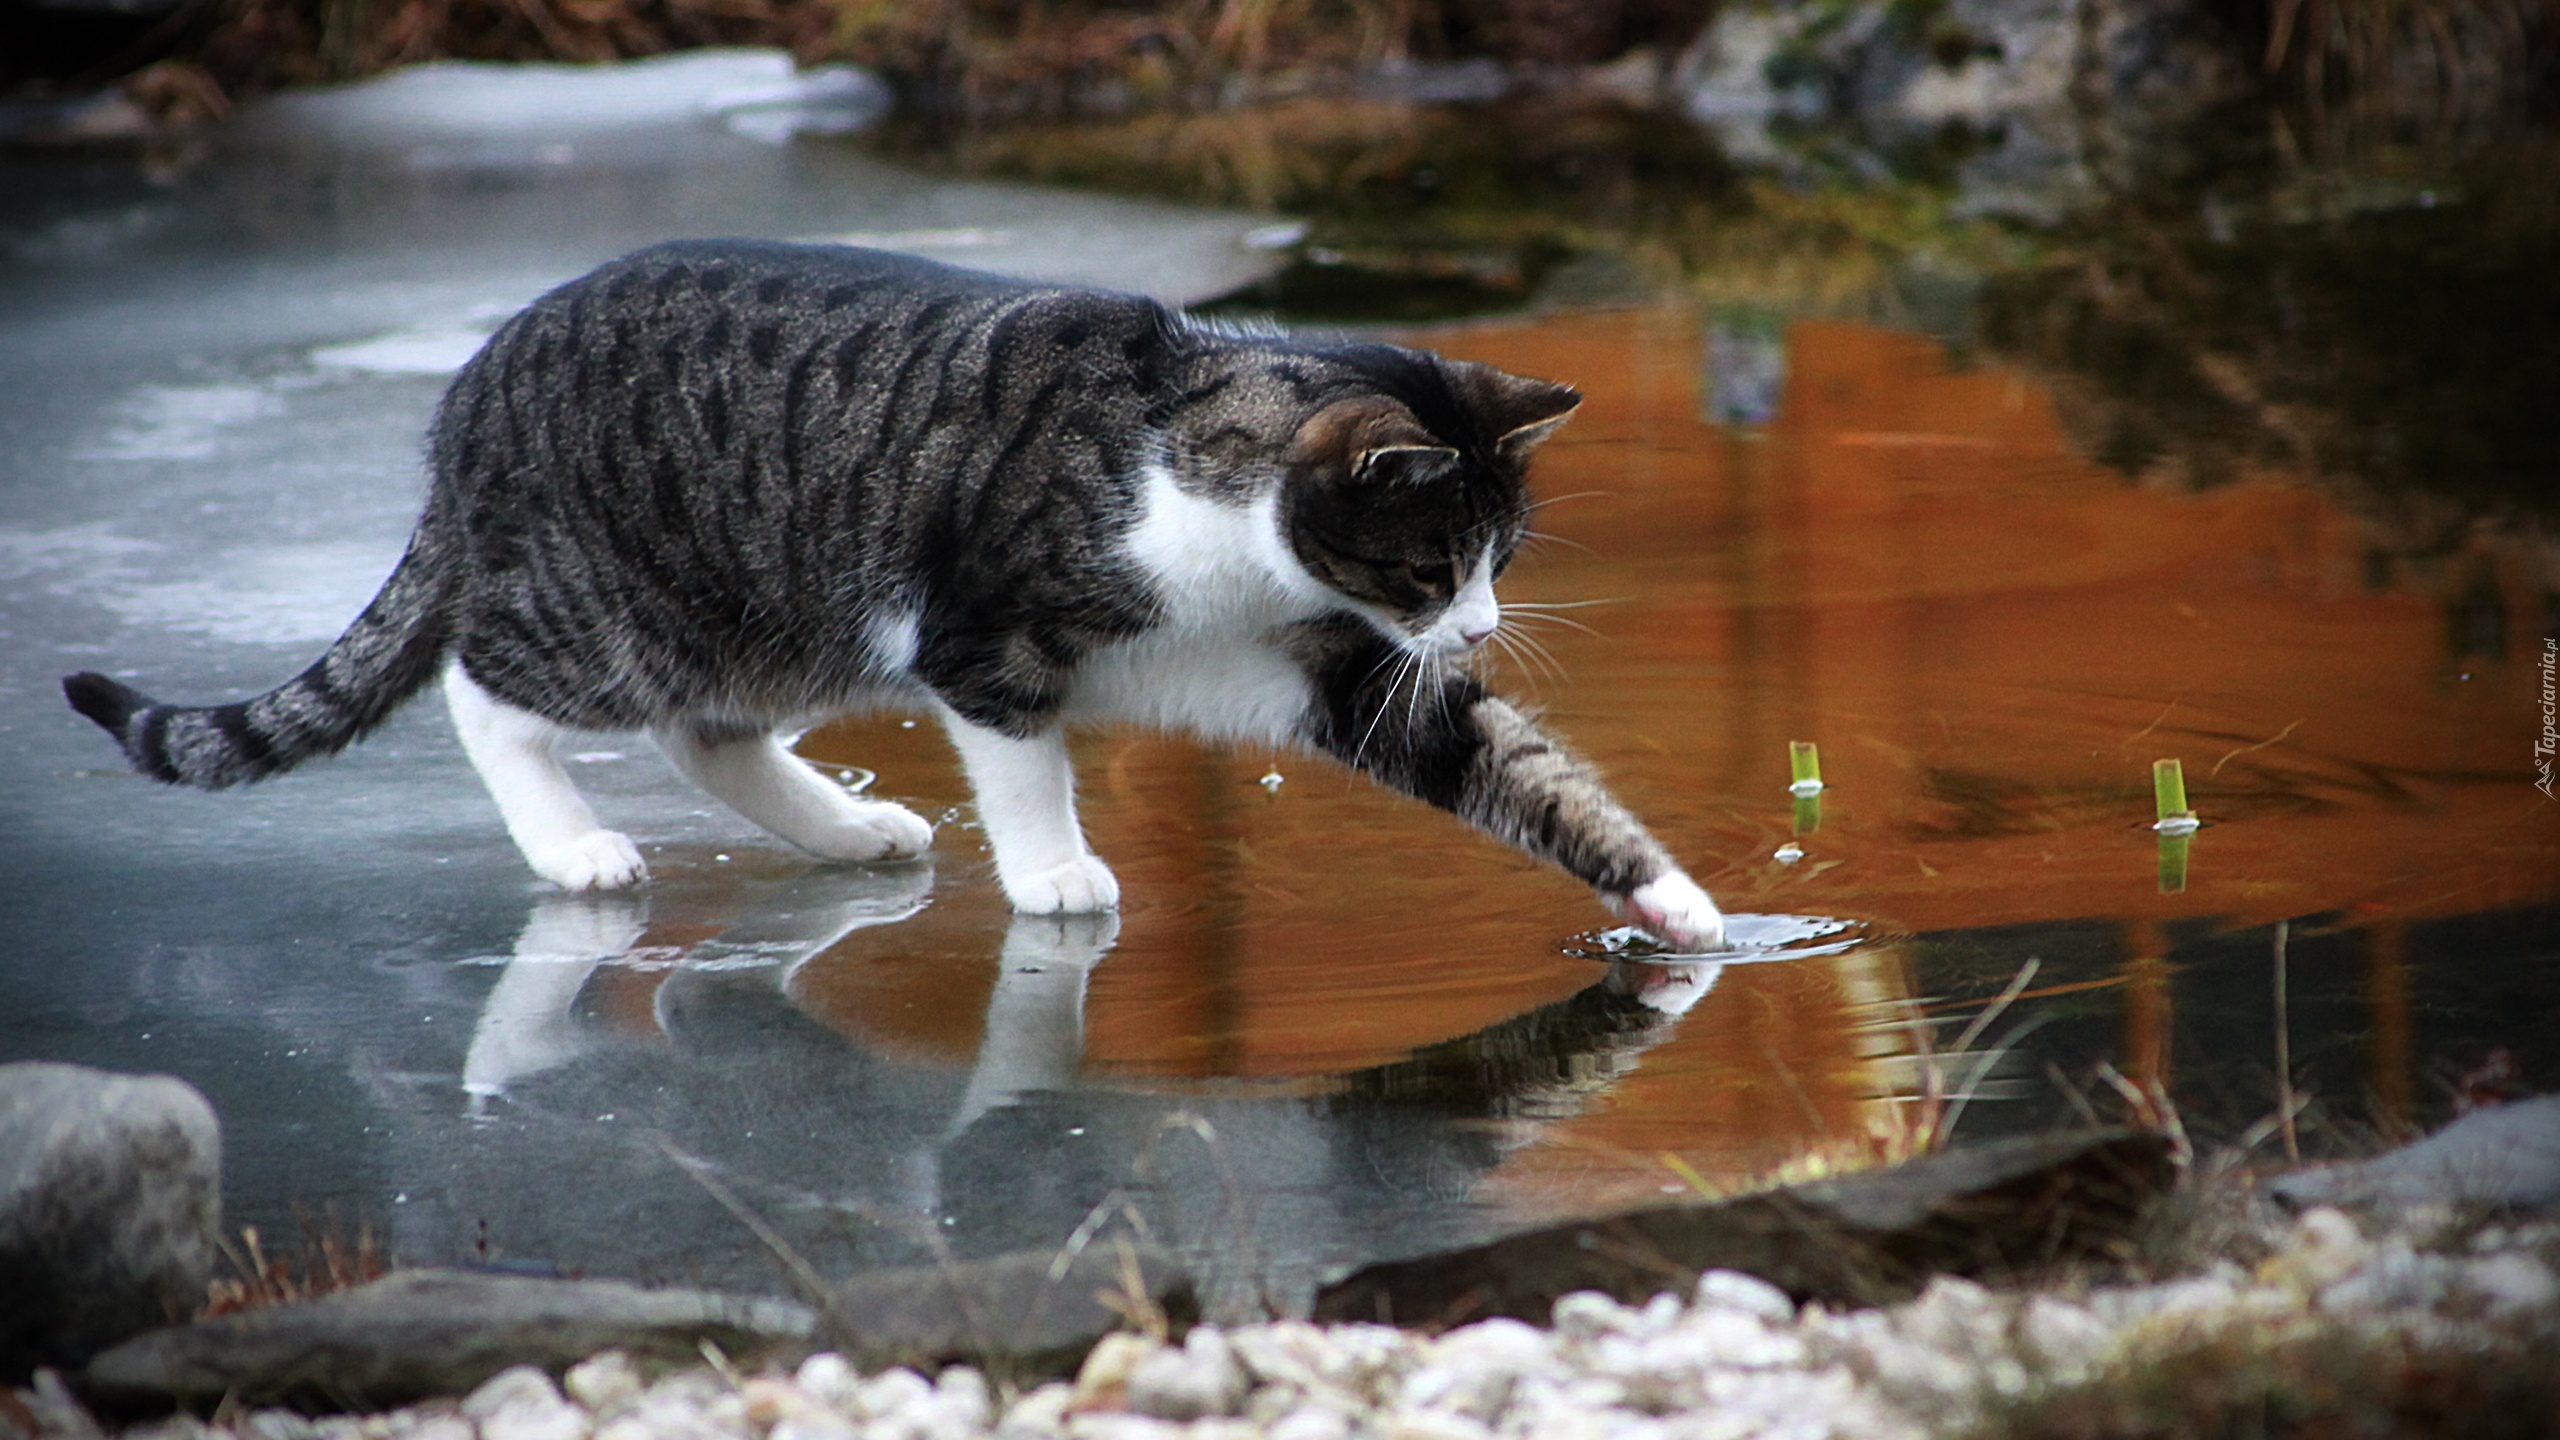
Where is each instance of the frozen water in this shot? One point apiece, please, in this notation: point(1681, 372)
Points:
point(178, 422)
point(279, 595)
point(756, 93)
point(426, 350)
point(212, 403)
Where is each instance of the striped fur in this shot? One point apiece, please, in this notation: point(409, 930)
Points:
point(716, 488)
point(391, 651)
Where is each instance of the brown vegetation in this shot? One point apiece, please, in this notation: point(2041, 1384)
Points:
point(2444, 63)
point(974, 58)
point(325, 1261)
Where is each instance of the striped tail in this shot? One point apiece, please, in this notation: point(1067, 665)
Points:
point(389, 653)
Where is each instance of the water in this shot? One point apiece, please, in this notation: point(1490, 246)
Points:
point(1329, 1025)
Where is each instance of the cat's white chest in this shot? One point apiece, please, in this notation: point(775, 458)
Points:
point(1227, 583)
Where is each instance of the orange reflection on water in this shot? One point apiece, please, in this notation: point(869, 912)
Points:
point(1990, 637)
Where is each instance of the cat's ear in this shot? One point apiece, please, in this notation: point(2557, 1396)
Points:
point(1519, 411)
point(1402, 464)
point(1372, 440)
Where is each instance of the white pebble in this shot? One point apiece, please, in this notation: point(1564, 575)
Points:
point(603, 1383)
point(1749, 1294)
point(680, 1412)
point(517, 1384)
point(1957, 1316)
point(1038, 1415)
point(1588, 1315)
point(1471, 1371)
point(1103, 1382)
point(827, 1378)
point(814, 1423)
point(890, 1393)
point(1433, 1425)
point(2321, 1249)
point(964, 1394)
point(2064, 1340)
point(2512, 1285)
point(1739, 1339)
point(1659, 1314)
point(1311, 1422)
point(2396, 1277)
point(522, 1404)
point(1202, 1378)
point(1120, 1425)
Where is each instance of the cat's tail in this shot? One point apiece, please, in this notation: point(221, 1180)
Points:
point(389, 653)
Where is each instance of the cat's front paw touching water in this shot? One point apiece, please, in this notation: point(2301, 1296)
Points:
point(1677, 912)
point(864, 830)
point(1078, 887)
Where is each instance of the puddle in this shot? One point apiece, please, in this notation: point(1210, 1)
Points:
point(1941, 529)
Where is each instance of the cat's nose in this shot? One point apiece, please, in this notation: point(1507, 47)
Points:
point(1479, 633)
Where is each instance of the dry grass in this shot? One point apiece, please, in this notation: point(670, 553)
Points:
point(2441, 64)
point(324, 1260)
point(974, 59)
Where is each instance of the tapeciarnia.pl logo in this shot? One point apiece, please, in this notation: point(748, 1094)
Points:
point(2549, 740)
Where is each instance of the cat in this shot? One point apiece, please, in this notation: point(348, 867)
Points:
point(717, 489)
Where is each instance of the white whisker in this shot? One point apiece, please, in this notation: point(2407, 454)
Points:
point(1538, 647)
point(1537, 505)
point(1405, 659)
point(1532, 667)
point(1540, 617)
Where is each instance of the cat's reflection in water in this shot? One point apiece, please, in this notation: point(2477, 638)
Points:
point(531, 1022)
point(702, 1044)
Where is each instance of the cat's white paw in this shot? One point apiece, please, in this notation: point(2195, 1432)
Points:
point(1079, 887)
point(1670, 989)
point(1679, 913)
point(871, 830)
point(597, 860)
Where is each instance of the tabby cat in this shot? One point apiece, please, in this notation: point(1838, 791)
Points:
point(717, 489)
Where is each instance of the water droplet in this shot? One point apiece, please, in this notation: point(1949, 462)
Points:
point(1273, 780)
point(1788, 854)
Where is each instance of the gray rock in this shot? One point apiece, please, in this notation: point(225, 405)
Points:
point(1027, 1312)
point(110, 1203)
point(431, 1332)
point(2504, 1158)
point(2000, 1208)
point(2057, 92)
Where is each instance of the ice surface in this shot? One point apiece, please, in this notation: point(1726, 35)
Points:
point(426, 350)
point(212, 403)
point(755, 93)
point(178, 422)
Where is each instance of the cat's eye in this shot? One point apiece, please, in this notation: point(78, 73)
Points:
point(1432, 575)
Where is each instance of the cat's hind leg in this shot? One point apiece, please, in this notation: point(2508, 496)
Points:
point(516, 753)
point(759, 777)
point(1026, 793)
